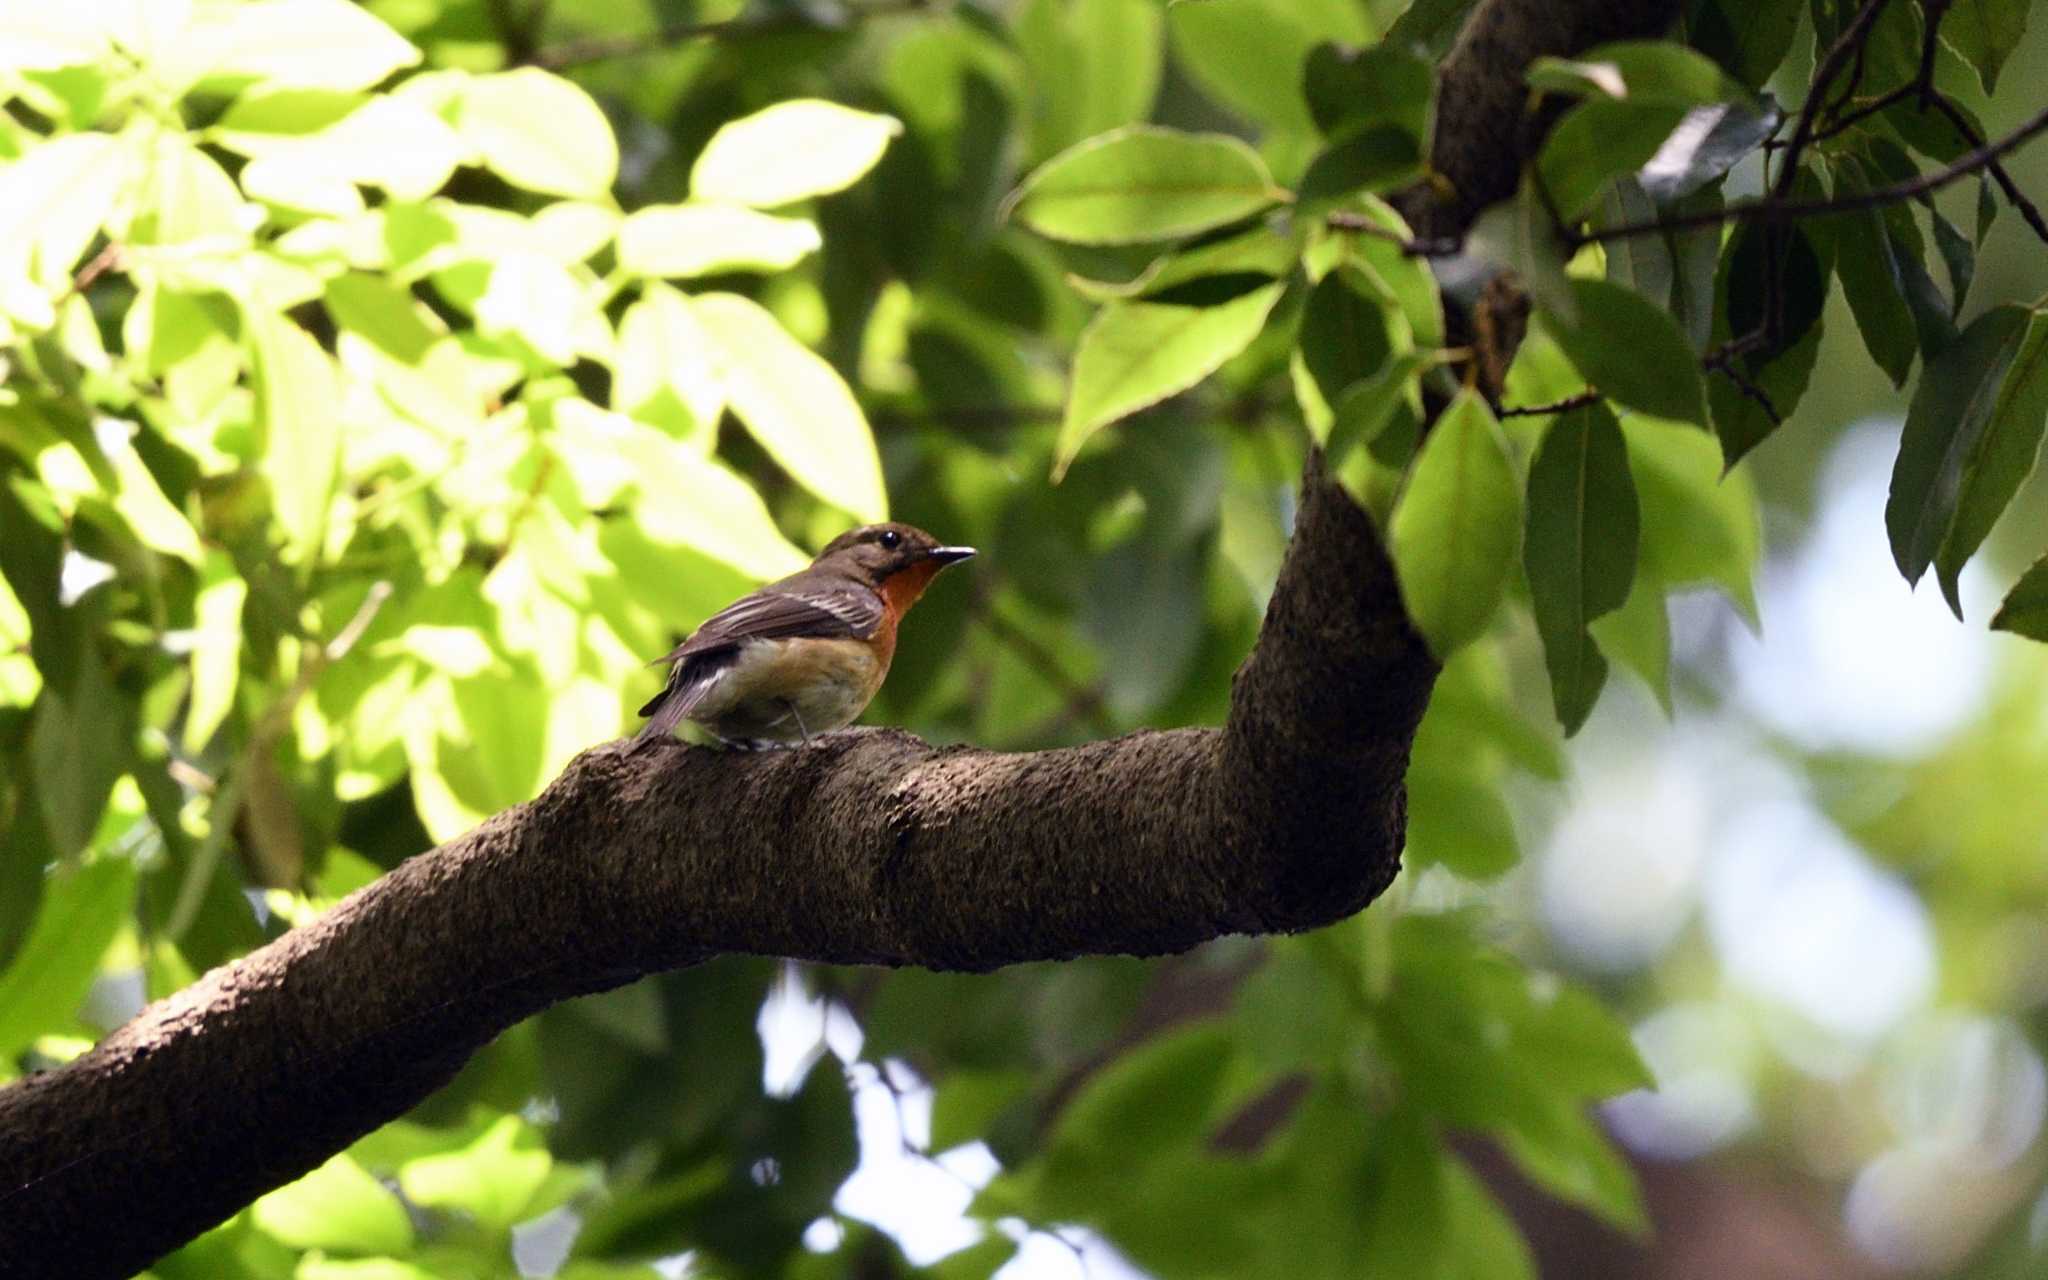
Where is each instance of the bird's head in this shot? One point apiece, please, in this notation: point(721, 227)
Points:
point(898, 560)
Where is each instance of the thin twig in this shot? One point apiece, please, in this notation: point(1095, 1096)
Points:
point(1565, 405)
point(1771, 209)
point(2028, 211)
point(1438, 247)
point(576, 53)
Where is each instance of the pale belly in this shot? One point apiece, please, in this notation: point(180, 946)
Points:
point(782, 690)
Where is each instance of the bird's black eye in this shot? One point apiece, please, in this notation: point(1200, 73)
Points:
point(890, 539)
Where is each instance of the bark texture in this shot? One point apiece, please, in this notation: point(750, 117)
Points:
point(870, 847)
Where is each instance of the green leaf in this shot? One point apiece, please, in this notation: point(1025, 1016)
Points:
point(1343, 336)
point(1155, 1097)
point(1456, 527)
point(55, 200)
point(1781, 375)
point(702, 238)
point(1638, 636)
point(684, 498)
point(1598, 141)
point(966, 1103)
point(1377, 158)
point(1639, 71)
point(42, 988)
point(1953, 403)
point(664, 371)
point(80, 744)
point(337, 1207)
point(1143, 183)
point(1248, 55)
point(216, 649)
point(1350, 89)
point(1135, 354)
point(300, 44)
point(795, 404)
point(1457, 818)
point(790, 151)
point(1633, 352)
point(296, 401)
point(1098, 65)
point(1985, 32)
point(2001, 458)
point(382, 312)
point(492, 1179)
point(1567, 1155)
point(1871, 280)
point(1580, 549)
point(187, 196)
point(2025, 611)
point(1697, 525)
point(538, 131)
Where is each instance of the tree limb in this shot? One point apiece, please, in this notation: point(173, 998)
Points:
point(869, 847)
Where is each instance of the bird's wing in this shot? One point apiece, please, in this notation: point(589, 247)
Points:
point(792, 607)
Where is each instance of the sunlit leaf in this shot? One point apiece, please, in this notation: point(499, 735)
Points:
point(701, 238)
point(790, 151)
point(303, 44)
point(1135, 354)
point(795, 404)
point(1143, 183)
point(296, 401)
point(337, 1207)
point(540, 132)
point(42, 987)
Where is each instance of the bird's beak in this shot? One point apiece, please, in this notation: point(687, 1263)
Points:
point(948, 555)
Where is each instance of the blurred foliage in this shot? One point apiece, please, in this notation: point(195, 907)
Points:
point(384, 384)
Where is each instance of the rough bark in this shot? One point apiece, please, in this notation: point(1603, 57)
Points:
point(871, 847)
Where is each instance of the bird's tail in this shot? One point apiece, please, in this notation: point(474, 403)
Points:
point(686, 687)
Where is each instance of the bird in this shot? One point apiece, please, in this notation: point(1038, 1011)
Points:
point(802, 656)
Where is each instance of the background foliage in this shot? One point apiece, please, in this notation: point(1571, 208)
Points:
point(386, 383)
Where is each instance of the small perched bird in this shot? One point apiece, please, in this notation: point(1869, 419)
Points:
point(802, 656)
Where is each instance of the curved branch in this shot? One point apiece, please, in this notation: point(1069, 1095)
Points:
point(868, 847)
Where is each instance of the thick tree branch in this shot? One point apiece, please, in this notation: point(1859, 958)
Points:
point(869, 847)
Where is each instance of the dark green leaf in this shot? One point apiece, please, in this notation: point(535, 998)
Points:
point(1749, 38)
point(1740, 420)
point(1374, 159)
point(1579, 550)
point(1957, 254)
point(1343, 336)
point(1633, 352)
point(1985, 32)
point(2025, 611)
point(2000, 459)
point(80, 746)
point(1871, 282)
point(1987, 209)
point(1597, 141)
point(1383, 84)
point(1455, 530)
point(1950, 409)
